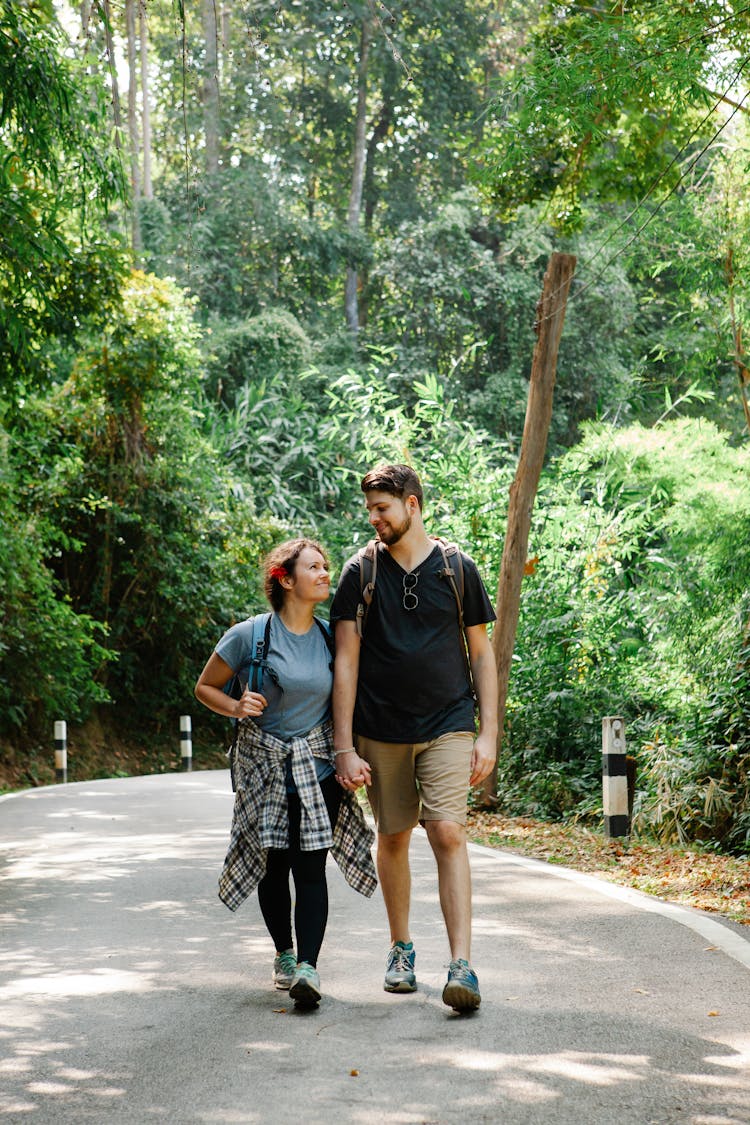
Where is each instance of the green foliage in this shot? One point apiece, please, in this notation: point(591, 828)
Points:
point(157, 441)
point(638, 606)
point(459, 294)
point(607, 101)
point(138, 518)
point(51, 658)
point(251, 245)
point(57, 173)
point(306, 444)
point(269, 344)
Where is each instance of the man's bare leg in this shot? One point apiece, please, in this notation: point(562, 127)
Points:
point(395, 881)
point(448, 842)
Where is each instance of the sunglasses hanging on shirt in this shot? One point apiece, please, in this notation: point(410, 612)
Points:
point(410, 599)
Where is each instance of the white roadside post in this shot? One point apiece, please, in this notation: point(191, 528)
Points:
point(61, 750)
point(186, 742)
point(615, 778)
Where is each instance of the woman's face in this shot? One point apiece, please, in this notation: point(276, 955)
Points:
point(312, 581)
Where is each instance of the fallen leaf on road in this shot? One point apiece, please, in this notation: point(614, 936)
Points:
point(354, 1073)
point(713, 1013)
point(280, 1011)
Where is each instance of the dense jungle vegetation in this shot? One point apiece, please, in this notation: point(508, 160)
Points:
point(246, 251)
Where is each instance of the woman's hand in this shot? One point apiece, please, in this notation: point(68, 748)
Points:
point(352, 771)
point(250, 705)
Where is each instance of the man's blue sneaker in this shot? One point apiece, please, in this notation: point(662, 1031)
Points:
point(284, 968)
point(462, 990)
point(305, 986)
point(399, 968)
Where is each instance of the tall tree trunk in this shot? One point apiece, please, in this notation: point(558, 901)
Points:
point(86, 7)
point(358, 175)
point(743, 374)
point(148, 190)
point(211, 87)
point(133, 132)
point(369, 195)
point(224, 54)
point(549, 325)
point(111, 62)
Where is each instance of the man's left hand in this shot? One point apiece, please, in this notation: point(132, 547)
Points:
point(482, 758)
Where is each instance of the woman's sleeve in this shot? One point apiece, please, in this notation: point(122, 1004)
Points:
point(233, 648)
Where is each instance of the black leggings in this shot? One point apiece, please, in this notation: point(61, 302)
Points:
point(308, 870)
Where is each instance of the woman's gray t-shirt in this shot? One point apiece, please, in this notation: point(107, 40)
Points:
point(303, 666)
point(302, 663)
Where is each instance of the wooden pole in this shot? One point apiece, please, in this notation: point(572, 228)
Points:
point(550, 315)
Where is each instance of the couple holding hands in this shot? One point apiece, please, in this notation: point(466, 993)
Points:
point(394, 711)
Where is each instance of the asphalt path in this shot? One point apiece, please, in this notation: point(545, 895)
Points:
point(130, 994)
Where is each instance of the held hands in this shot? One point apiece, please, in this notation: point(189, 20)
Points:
point(352, 771)
point(250, 705)
point(482, 758)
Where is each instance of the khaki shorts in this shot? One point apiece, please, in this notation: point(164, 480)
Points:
point(418, 781)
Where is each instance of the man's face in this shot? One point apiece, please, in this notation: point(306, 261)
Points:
point(389, 516)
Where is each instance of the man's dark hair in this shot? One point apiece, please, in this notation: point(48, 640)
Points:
point(398, 480)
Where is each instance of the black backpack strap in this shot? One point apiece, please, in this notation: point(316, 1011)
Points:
point(368, 569)
point(250, 676)
point(260, 643)
point(453, 571)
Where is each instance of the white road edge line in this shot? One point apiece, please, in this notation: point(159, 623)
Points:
point(724, 938)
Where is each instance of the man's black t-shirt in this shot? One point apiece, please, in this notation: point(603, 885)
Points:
point(413, 685)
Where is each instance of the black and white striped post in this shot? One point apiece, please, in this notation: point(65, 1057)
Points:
point(186, 742)
point(615, 778)
point(61, 750)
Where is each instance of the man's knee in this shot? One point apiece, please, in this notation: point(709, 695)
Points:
point(393, 843)
point(445, 835)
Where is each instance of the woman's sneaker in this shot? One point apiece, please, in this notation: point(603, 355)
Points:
point(462, 989)
point(399, 968)
point(305, 986)
point(284, 968)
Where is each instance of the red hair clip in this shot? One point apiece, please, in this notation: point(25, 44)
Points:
point(279, 572)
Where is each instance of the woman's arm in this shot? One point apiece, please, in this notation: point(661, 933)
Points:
point(210, 691)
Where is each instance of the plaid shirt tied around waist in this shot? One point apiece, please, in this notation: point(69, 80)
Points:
point(261, 815)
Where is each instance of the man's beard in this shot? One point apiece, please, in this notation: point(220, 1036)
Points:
point(393, 534)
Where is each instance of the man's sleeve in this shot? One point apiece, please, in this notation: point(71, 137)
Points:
point(478, 609)
point(347, 596)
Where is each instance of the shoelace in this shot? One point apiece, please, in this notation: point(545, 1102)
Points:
point(287, 962)
point(400, 959)
point(461, 973)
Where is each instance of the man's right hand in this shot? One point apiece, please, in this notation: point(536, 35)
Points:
point(352, 771)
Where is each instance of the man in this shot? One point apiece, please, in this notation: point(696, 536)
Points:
point(403, 694)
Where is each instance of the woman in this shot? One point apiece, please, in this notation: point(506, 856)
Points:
point(289, 809)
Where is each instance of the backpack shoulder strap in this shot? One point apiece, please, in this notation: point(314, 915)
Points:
point(453, 571)
point(367, 557)
point(259, 651)
point(261, 638)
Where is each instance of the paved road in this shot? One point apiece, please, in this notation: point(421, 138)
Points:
point(129, 994)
